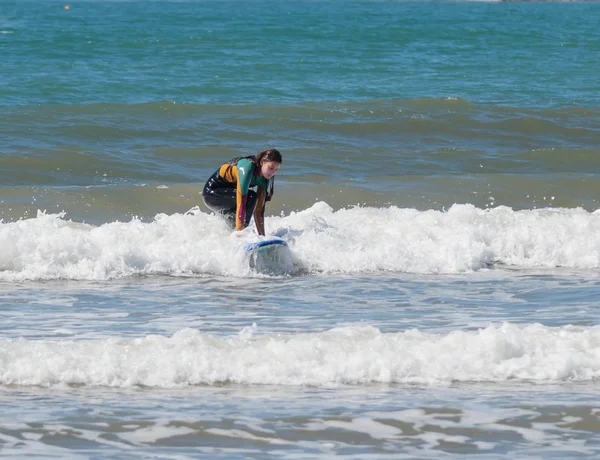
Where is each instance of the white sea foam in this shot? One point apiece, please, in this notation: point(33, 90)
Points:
point(355, 240)
point(345, 355)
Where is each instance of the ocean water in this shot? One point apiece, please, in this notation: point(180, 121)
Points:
point(439, 195)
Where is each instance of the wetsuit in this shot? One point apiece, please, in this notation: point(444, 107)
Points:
point(228, 192)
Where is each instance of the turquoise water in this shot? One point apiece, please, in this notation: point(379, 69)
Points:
point(439, 194)
point(228, 52)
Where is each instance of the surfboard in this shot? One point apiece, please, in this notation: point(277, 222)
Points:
point(271, 255)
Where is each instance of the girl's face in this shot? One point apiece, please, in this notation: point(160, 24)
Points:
point(269, 168)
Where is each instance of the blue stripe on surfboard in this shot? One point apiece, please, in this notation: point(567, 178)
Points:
point(260, 244)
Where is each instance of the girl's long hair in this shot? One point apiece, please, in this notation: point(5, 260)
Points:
point(268, 155)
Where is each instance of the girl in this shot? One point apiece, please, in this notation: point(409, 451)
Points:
point(228, 191)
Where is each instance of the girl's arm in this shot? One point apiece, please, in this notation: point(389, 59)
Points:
point(259, 212)
point(243, 170)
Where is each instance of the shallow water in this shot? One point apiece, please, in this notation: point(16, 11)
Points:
point(495, 363)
